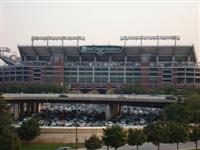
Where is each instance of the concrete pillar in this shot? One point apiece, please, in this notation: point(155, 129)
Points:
point(113, 110)
point(21, 108)
point(16, 111)
point(34, 106)
point(37, 107)
point(108, 113)
point(120, 109)
point(28, 108)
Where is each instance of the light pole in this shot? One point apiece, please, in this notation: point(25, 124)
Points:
point(76, 131)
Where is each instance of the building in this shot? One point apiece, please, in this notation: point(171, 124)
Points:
point(104, 66)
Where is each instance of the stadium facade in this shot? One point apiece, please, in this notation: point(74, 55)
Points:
point(103, 66)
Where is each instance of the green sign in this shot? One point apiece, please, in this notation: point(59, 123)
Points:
point(100, 50)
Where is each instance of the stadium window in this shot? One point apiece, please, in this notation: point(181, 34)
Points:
point(88, 73)
point(97, 79)
point(180, 80)
point(66, 79)
point(89, 79)
point(128, 79)
point(74, 79)
point(104, 79)
point(105, 73)
point(73, 73)
point(97, 73)
point(120, 80)
point(97, 69)
point(113, 79)
point(113, 73)
point(73, 69)
point(81, 73)
point(113, 69)
point(129, 74)
point(81, 69)
point(197, 80)
point(136, 69)
point(88, 69)
point(81, 79)
point(189, 80)
point(129, 69)
point(120, 69)
point(120, 73)
point(104, 69)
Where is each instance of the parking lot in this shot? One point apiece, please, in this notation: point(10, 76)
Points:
point(91, 115)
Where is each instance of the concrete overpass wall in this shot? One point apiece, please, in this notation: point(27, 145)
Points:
point(66, 135)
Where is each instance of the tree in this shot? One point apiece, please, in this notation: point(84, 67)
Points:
point(131, 90)
point(177, 133)
point(93, 143)
point(29, 130)
point(194, 136)
point(8, 137)
point(33, 88)
point(110, 91)
point(155, 133)
point(114, 136)
point(136, 137)
point(177, 112)
point(9, 141)
point(193, 102)
point(93, 92)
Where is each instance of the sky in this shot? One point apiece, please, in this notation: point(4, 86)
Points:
point(99, 21)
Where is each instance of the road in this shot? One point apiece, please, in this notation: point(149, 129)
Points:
point(149, 146)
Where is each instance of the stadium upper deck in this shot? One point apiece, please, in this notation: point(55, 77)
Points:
point(105, 66)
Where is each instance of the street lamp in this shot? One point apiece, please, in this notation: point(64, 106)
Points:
point(76, 130)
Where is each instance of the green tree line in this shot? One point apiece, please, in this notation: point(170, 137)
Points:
point(32, 88)
point(156, 133)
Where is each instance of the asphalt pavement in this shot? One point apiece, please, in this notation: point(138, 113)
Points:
point(149, 146)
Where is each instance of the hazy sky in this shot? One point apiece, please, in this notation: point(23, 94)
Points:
point(99, 22)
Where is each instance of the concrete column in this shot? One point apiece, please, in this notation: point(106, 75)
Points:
point(38, 107)
point(16, 111)
point(21, 108)
point(113, 110)
point(110, 60)
point(125, 60)
point(108, 113)
point(157, 59)
point(173, 59)
point(28, 108)
point(120, 108)
point(32, 108)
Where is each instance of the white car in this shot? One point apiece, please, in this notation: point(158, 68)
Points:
point(109, 123)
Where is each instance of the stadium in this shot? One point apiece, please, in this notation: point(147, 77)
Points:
point(103, 66)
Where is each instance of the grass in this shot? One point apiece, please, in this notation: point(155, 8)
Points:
point(46, 146)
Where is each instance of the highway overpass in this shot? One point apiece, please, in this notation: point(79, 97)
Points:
point(32, 102)
point(123, 99)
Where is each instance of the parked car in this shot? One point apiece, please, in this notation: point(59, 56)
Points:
point(64, 148)
point(63, 95)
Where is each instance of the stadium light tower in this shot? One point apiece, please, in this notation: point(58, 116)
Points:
point(141, 38)
point(57, 38)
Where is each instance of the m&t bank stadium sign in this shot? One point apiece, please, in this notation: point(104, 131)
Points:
point(100, 50)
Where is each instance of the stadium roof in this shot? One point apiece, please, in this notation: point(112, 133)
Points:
point(182, 51)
